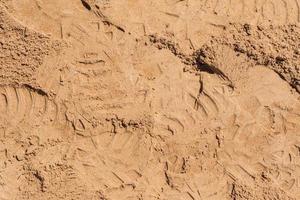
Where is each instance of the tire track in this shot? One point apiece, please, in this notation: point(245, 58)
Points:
point(26, 105)
point(280, 161)
point(262, 11)
point(298, 10)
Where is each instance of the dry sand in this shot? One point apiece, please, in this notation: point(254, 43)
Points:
point(150, 100)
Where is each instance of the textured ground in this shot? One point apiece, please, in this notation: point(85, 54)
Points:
point(150, 99)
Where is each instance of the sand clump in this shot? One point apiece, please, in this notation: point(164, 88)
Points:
point(22, 50)
point(149, 100)
point(273, 47)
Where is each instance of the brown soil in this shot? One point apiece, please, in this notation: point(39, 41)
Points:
point(145, 100)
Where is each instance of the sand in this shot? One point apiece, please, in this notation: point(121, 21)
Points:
point(150, 100)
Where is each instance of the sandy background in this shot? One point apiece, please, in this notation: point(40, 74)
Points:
point(150, 99)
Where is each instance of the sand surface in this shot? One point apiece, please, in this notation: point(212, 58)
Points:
point(150, 99)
